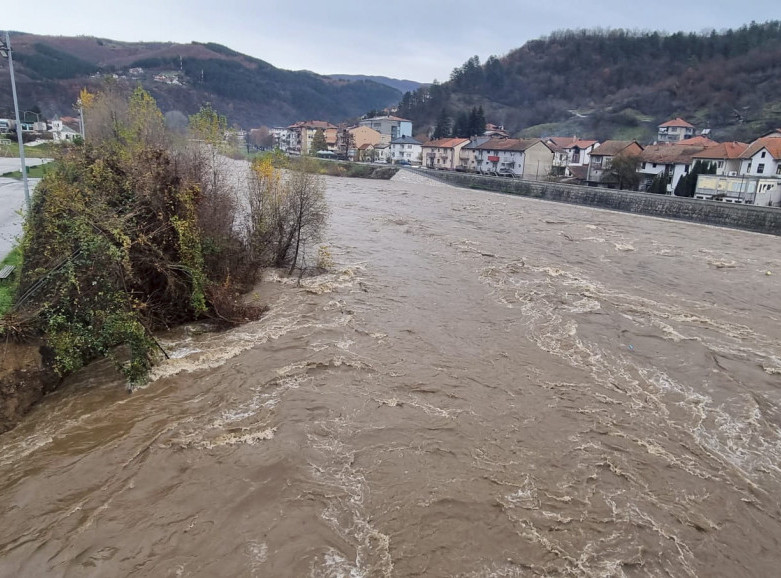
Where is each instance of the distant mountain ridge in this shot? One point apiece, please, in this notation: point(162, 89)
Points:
point(51, 70)
point(400, 85)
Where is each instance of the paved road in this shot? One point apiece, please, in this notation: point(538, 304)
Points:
point(11, 202)
point(8, 164)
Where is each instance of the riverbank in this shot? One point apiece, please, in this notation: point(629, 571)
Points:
point(746, 217)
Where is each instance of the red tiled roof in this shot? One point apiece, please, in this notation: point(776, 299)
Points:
point(670, 154)
point(676, 122)
point(771, 143)
point(561, 142)
point(698, 140)
point(611, 148)
point(725, 150)
point(509, 144)
point(568, 142)
point(446, 143)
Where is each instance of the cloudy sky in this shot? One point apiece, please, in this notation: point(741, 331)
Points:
point(418, 40)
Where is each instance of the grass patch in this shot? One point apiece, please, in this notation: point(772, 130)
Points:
point(36, 172)
point(42, 151)
point(8, 286)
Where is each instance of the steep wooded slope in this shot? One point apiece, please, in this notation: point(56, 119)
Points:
point(251, 92)
point(618, 83)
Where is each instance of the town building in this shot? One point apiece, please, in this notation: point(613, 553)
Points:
point(725, 156)
point(529, 159)
point(675, 130)
point(756, 181)
point(390, 127)
point(301, 134)
point(406, 148)
point(571, 155)
point(466, 158)
point(674, 160)
point(443, 153)
point(603, 155)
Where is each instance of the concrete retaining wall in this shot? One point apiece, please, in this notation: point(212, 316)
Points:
point(747, 217)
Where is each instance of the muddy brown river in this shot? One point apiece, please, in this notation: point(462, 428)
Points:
point(482, 386)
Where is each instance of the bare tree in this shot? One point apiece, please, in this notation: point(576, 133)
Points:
point(308, 208)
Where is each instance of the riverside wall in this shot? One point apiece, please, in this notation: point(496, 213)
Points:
point(746, 217)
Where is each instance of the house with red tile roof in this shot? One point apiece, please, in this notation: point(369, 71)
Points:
point(673, 159)
point(726, 156)
point(762, 158)
point(603, 155)
point(529, 159)
point(494, 130)
point(443, 153)
point(758, 180)
point(675, 130)
point(570, 152)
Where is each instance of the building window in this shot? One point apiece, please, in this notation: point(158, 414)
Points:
point(748, 168)
point(778, 169)
point(760, 168)
point(763, 154)
point(721, 164)
point(686, 169)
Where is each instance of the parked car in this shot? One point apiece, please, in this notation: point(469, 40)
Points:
point(404, 162)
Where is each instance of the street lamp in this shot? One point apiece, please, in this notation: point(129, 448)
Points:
point(6, 52)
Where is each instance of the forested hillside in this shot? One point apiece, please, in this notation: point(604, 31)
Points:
point(619, 84)
point(250, 92)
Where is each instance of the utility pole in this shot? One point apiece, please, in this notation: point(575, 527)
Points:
point(5, 52)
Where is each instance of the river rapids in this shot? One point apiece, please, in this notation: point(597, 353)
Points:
point(482, 386)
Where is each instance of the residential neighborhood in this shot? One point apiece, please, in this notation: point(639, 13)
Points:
point(732, 172)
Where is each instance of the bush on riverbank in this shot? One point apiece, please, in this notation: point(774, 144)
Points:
point(128, 235)
point(331, 168)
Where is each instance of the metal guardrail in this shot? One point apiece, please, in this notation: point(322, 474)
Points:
point(6, 271)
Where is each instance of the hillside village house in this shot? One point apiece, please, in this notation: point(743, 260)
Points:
point(602, 156)
point(390, 127)
point(406, 148)
point(528, 159)
point(61, 132)
point(762, 158)
point(673, 159)
point(725, 156)
point(495, 130)
point(571, 155)
point(675, 130)
point(757, 181)
point(443, 153)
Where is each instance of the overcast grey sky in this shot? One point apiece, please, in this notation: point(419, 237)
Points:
point(418, 40)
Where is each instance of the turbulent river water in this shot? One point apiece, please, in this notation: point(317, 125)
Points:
point(483, 385)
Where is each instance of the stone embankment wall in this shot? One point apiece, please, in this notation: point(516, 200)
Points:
point(747, 217)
